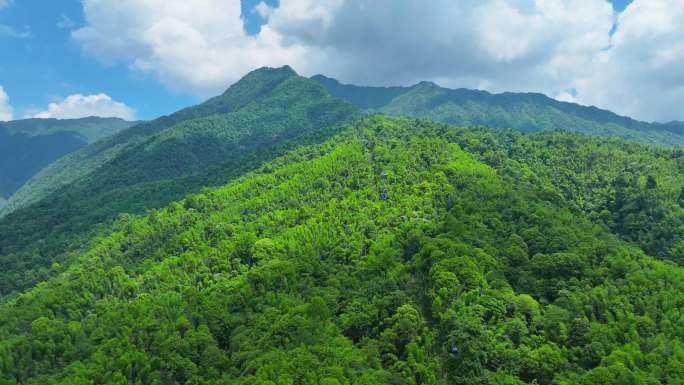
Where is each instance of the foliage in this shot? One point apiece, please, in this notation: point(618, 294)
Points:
point(469, 273)
point(156, 162)
point(635, 190)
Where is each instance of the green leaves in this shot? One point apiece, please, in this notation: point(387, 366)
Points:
point(298, 273)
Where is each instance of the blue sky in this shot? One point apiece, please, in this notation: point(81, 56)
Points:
point(42, 61)
point(47, 64)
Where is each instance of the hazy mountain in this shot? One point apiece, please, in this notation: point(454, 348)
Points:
point(27, 146)
point(526, 112)
point(22, 156)
point(90, 129)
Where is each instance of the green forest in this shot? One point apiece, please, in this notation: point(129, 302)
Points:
point(399, 251)
point(289, 232)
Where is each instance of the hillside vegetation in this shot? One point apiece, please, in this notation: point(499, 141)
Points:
point(525, 112)
point(386, 255)
point(264, 115)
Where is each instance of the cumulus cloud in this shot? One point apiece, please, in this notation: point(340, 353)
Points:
point(499, 45)
point(6, 110)
point(197, 46)
point(79, 106)
point(642, 74)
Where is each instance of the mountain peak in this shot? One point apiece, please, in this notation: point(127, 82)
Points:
point(426, 85)
point(260, 80)
point(284, 71)
point(320, 78)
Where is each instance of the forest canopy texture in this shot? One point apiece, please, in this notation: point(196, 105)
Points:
point(328, 246)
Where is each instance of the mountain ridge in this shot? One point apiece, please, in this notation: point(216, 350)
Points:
point(520, 111)
point(77, 165)
point(268, 112)
point(89, 128)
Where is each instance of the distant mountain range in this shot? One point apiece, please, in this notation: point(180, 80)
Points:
point(89, 129)
point(27, 146)
point(525, 112)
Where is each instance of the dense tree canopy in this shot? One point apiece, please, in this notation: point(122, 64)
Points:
point(479, 267)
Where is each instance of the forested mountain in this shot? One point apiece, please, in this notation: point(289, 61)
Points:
point(268, 112)
point(22, 156)
point(674, 126)
point(525, 112)
point(27, 146)
point(399, 251)
point(90, 129)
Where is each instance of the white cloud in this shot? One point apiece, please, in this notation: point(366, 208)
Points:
point(263, 10)
point(500, 45)
point(79, 106)
point(642, 74)
point(6, 110)
point(5, 3)
point(197, 46)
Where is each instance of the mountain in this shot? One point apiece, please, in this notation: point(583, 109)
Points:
point(525, 112)
point(90, 129)
point(265, 114)
point(398, 251)
point(368, 98)
point(27, 146)
point(674, 126)
point(22, 156)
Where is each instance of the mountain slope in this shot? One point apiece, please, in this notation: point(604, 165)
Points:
point(22, 156)
point(265, 114)
point(635, 190)
point(364, 97)
point(27, 146)
point(525, 112)
point(303, 273)
point(81, 163)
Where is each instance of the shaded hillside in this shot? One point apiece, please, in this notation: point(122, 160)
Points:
point(265, 114)
point(27, 146)
point(306, 273)
point(363, 97)
point(22, 156)
point(525, 112)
